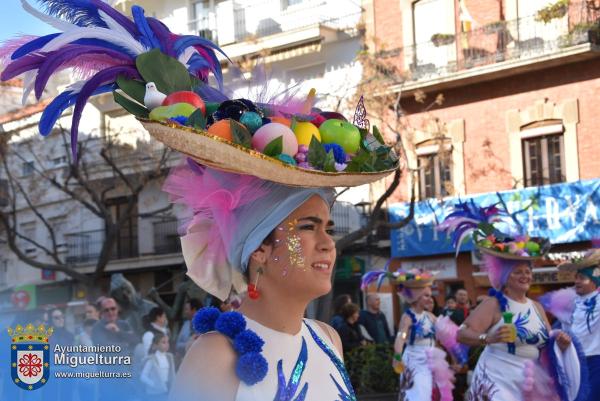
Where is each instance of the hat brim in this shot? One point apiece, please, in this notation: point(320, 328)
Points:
point(417, 284)
point(544, 249)
point(221, 154)
point(583, 264)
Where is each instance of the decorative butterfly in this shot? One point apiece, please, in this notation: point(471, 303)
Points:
point(360, 115)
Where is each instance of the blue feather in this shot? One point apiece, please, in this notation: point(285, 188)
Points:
point(78, 12)
point(33, 45)
point(147, 36)
point(189, 41)
point(105, 44)
point(53, 111)
point(86, 13)
point(163, 34)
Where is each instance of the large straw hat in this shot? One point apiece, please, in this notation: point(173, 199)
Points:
point(216, 152)
point(510, 250)
point(591, 259)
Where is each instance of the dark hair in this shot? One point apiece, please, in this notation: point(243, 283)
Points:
point(151, 317)
point(195, 303)
point(155, 340)
point(349, 310)
point(450, 298)
point(269, 240)
point(339, 302)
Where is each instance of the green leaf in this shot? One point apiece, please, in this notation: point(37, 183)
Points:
point(197, 120)
point(275, 147)
point(316, 153)
point(167, 73)
point(329, 163)
point(240, 134)
point(378, 135)
point(131, 106)
point(359, 162)
point(133, 88)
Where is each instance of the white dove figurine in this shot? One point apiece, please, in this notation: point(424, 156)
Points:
point(153, 97)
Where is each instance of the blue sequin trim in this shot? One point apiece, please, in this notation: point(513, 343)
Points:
point(346, 394)
point(590, 307)
point(417, 328)
point(286, 392)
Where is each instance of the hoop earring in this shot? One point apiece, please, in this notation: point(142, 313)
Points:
point(253, 292)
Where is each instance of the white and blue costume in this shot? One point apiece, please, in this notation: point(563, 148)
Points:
point(522, 371)
point(301, 367)
point(423, 362)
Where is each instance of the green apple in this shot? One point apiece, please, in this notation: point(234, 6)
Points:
point(341, 132)
point(162, 113)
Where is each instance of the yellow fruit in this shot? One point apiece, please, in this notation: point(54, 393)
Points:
point(304, 131)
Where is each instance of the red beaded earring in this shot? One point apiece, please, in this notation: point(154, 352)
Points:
point(253, 292)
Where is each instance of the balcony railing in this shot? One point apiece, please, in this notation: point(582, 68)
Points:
point(85, 247)
point(166, 237)
point(520, 39)
point(232, 22)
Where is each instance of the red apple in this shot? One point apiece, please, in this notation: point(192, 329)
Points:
point(185, 97)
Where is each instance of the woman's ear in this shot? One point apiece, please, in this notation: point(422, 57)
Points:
point(261, 254)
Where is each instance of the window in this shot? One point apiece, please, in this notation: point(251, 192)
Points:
point(544, 160)
point(434, 175)
point(432, 17)
point(127, 240)
point(27, 168)
point(59, 161)
point(287, 3)
point(27, 230)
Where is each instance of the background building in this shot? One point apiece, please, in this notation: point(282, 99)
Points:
point(520, 79)
point(294, 45)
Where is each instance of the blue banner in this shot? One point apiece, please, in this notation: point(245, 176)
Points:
point(567, 212)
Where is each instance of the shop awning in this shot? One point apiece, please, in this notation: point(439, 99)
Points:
point(565, 213)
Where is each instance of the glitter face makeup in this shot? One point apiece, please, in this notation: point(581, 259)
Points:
point(294, 246)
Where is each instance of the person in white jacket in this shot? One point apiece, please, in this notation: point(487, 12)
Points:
point(158, 369)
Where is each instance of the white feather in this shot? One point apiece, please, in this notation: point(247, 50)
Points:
point(108, 35)
point(112, 24)
point(28, 82)
point(52, 21)
point(187, 54)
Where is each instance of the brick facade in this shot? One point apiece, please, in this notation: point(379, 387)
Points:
point(487, 102)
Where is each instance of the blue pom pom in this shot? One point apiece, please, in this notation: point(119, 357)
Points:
point(251, 368)
point(230, 324)
point(251, 120)
point(179, 120)
point(338, 152)
point(204, 320)
point(247, 341)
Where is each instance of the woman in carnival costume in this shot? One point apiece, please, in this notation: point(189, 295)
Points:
point(424, 372)
point(523, 359)
point(578, 311)
point(258, 193)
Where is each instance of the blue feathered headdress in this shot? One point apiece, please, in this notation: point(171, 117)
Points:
point(109, 51)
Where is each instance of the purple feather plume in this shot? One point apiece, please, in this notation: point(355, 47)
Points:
point(104, 77)
point(561, 303)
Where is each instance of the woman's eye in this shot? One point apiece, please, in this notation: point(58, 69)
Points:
point(307, 227)
point(330, 231)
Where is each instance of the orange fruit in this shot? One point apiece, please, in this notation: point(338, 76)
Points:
point(222, 128)
point(281, 120)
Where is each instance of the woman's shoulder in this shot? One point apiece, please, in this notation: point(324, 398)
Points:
point(208, 364)
point(331, 334)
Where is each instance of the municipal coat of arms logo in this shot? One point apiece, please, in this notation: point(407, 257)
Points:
point(30, 355)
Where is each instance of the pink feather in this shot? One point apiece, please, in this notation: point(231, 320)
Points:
point(443, 376)
point(537, 385)
point(9, 46)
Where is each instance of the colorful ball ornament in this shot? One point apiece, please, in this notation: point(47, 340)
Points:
point(267, 133)
point(251, 120)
